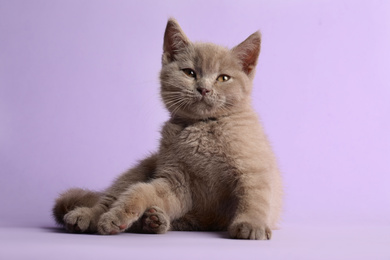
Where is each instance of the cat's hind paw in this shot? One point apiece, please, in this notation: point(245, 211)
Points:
point(245, 230)
point(155, 221)
point(78, 220)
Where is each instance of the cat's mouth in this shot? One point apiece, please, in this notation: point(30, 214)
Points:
point(195, 105)
point(209, 101)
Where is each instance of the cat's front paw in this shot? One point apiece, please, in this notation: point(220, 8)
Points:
point(115, 221)
point(246, 230)
point(155, 221)
point(112, 222)
point(79, 220)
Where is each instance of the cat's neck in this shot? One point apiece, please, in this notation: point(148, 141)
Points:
point(186, 121)
point(190, 121)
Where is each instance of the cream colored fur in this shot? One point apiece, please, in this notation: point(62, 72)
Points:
point(214, 169)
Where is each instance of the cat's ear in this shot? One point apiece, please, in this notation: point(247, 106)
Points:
point(248, 52)
point(174, 40)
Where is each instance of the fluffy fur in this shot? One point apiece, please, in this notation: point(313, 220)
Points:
point(214, 169)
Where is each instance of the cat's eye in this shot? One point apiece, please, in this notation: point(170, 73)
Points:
point(190, 73)
point(223, 78)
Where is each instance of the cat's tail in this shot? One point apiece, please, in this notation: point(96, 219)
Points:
point(72, 199)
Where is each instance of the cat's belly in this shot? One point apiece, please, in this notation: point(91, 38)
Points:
point(202, 154)
point(213, 207)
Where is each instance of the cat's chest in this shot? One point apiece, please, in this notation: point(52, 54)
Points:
point(200, 150)
point(201, 140)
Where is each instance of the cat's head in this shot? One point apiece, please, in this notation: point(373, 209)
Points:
point(204, 80)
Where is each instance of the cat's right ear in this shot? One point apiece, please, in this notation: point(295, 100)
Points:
point(174, 40)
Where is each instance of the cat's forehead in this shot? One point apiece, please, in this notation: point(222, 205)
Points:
point(211, 58)
point(210, 50)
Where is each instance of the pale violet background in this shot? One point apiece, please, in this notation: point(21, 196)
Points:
point(79, 97)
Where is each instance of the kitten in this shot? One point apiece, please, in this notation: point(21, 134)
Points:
point(214, 169)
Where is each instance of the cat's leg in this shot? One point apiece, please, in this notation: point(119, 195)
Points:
point(186, 223)
point(158, 201)
point(251, 220)
point(79, 210)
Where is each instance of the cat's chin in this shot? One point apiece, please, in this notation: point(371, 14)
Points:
point(198, 114)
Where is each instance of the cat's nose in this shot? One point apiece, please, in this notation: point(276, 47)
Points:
point(202, 91)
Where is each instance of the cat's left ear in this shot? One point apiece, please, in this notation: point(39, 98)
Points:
point(248, 52)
